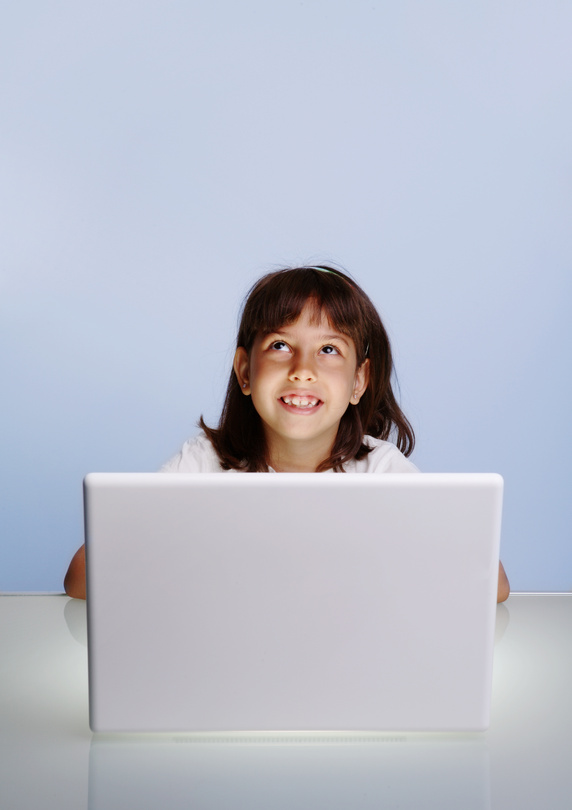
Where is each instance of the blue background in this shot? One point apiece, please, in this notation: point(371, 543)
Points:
point(157, 157)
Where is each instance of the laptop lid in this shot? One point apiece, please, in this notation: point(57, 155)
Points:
point(297, 602)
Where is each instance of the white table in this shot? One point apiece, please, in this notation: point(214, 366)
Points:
point(49, 758)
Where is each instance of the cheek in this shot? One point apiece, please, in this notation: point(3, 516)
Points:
point(254, 364)
point(262, 372)
point(348, 380)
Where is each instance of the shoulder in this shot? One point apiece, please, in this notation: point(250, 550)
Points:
point(384, 457)
point(197, 455)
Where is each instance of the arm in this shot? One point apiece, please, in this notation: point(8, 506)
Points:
point(74, 582)
point(504, 587)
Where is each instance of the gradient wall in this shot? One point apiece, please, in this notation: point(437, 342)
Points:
point(156, 157)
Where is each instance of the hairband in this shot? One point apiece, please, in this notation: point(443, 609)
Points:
point(323, 270)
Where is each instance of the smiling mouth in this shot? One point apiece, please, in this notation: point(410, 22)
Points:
point(303, 403)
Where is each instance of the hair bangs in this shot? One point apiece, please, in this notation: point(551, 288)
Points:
point(279, 298)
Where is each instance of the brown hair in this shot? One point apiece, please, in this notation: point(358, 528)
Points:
point(276, 300)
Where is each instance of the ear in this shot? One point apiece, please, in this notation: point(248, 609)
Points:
point(241, 366)
point(361, 382)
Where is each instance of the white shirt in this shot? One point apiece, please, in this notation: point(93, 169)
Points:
point(198, 456)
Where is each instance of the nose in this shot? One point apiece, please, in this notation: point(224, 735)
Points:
point(302, 369)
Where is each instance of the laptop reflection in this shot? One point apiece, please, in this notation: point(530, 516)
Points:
point(233, 772)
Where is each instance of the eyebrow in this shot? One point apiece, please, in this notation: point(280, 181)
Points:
point(335, 336)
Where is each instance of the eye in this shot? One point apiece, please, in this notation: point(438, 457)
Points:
point(329, 350)
point(279, 346)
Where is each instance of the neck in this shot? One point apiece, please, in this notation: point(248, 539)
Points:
point(297, 456)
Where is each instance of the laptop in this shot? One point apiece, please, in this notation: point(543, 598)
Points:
point(291, 602)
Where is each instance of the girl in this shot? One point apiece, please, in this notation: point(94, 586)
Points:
point(310, 391)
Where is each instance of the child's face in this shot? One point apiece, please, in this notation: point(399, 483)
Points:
point(302, 379)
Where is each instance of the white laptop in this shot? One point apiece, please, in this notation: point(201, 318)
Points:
point(291, 602)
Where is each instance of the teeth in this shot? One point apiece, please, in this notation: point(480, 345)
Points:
point(301, 402)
